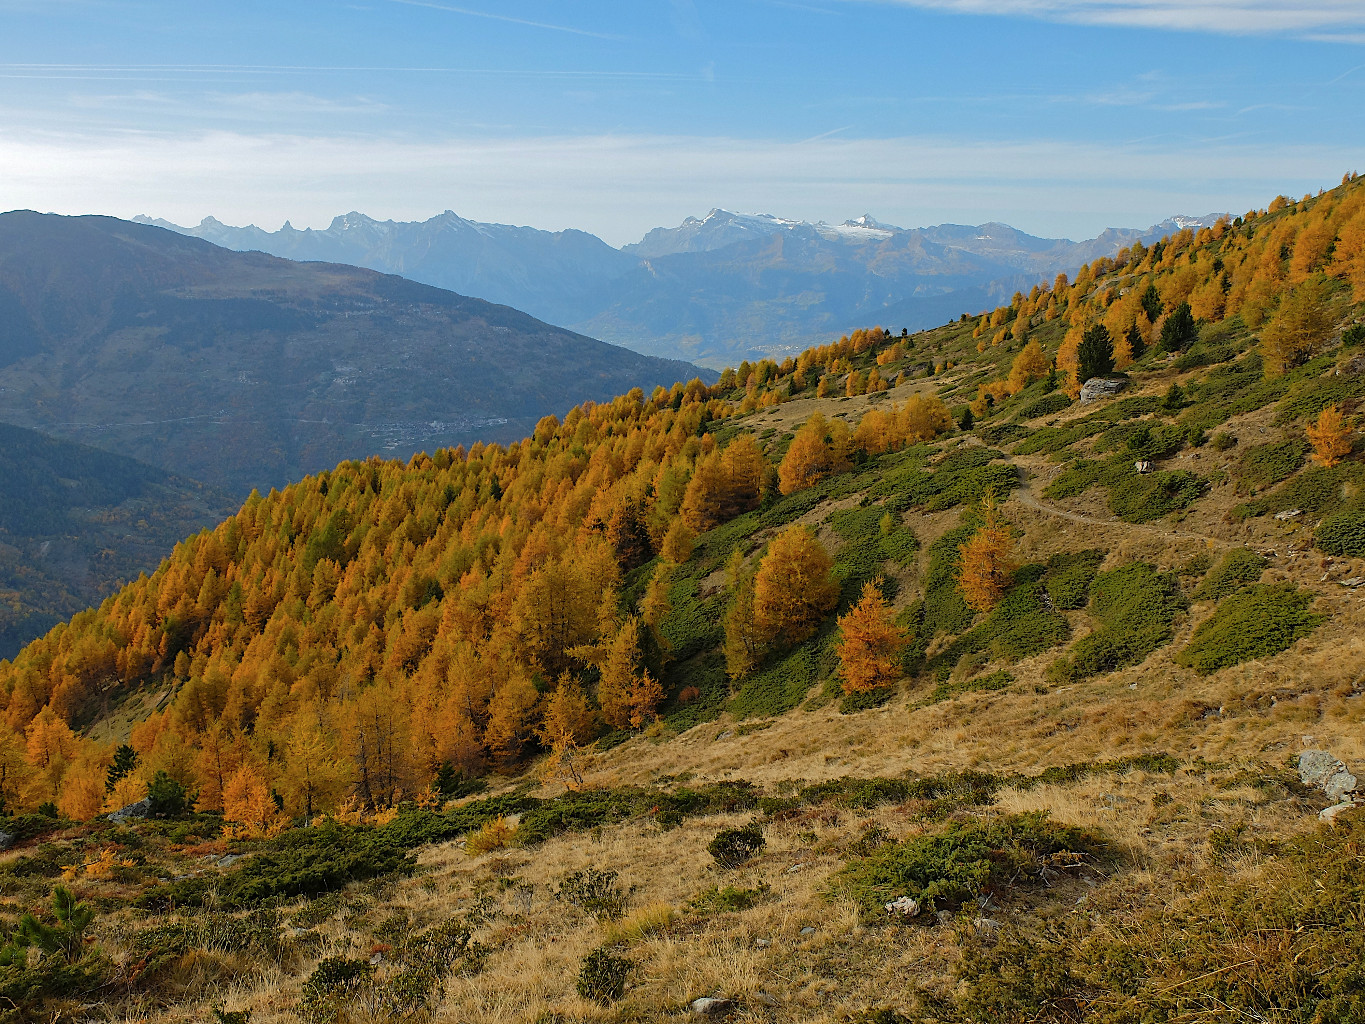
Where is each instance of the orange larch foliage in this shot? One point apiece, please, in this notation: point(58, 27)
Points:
point(986, 560)
point(793, 588)
point(817, 450)
point(249, 808)
point(870, 643)
point(1331, 437)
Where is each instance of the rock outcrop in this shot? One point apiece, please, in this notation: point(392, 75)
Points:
point(1101, 387)
point(1323, 770)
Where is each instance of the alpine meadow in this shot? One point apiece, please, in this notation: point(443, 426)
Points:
point(1011, 670)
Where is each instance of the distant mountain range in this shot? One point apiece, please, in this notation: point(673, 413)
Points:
point(76, 523)
point(713, 290)
point(246, 370)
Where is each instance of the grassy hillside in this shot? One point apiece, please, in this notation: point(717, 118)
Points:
point(77, 523)
point(567, 723)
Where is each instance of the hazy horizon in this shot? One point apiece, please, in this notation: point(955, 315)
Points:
point(1058, 117)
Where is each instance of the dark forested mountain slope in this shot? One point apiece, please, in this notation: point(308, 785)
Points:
point(246, 370)
point(77, 522)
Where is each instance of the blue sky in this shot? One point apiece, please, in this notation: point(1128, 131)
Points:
point(1061, 117)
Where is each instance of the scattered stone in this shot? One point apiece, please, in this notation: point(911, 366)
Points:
point(1321, 770)
point(1143, 466)
point(763, 943)
point(229, 860)
point(707, 1006)
point(376, 960)
point(767, 998)
point(1101, 387)
point(1330, 814)
point(904, 906)
point(141, 809)
point(796, 867)
point(945, 917)
point(986, 924)
point(1353, 582)
point(724, 736)
point(808, 930)
point(6, 840)
point(1288, 514)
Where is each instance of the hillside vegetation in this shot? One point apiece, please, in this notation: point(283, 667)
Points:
point(902, 621)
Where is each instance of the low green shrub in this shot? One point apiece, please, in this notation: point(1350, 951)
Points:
point(946, 869)
point(332, 984)
point(1317, 491)
point(1267, 464)
point(944, 609)
point(1045, 406)
point(22, 827)
point(1069, 575)
point(602, 978)
point(1144, 497)
point(863, 700)
point(1257, 622)
point(964, 476)
point(594, 892)
point(301, 862)
point(1204, 355)
point(1342, 534)
point(728, 898)
point(1084, 474)
point(731, 847)
point(1238, 568)
point(1028, 620)
point(1003, 433)
point(1136, 606)
point(980, 684)
point(1309, 397)
point(782, 685)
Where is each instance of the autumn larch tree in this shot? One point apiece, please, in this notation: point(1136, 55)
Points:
point(870, 643)
point(743, 645)
point(986, 560)
point(816, 451)
point(793, 588)
point(1029, 365)
point(627, 694)
point(1297, 331)
point(678, 542)
point(724, 485)
point(1331, 437)
point(568, 714)
point(248, 805)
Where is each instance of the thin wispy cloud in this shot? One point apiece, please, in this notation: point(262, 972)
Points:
point(103, 71)
point(1325, 20)
point(471, 13)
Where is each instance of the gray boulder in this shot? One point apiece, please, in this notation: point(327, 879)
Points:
point(1097, 388)
point(1322, 770)
point(6, 840)
point(141, 809)
point(708, 1006)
